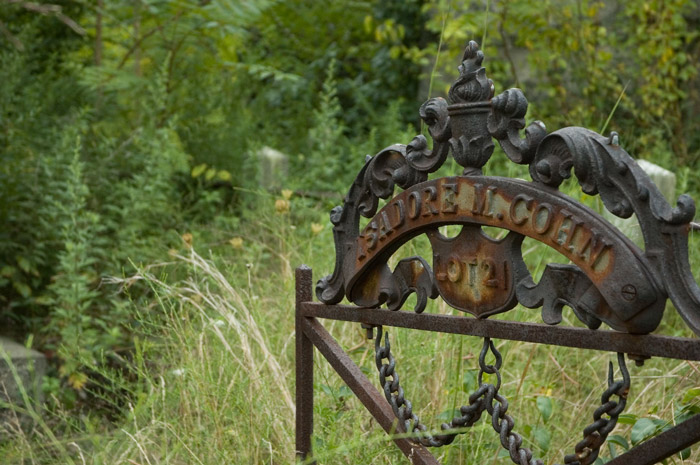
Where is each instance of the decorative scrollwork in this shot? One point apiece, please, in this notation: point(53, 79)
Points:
point(609, 279)
point(603, 167)
point(562, 285)
point(396, 164)
point(472, 85)
point(505, 122)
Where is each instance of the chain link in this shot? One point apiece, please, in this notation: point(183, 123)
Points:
point(485, 398)
point(595, 434)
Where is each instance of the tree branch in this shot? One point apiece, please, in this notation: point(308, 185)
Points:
point(49, 9)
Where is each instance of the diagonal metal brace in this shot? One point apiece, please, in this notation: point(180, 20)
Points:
point(365, 391)
point(664, 445)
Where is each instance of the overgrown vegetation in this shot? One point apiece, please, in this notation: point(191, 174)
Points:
point(130, 133)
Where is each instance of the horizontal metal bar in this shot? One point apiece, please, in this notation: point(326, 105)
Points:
point(649, 345)
point(364, 390)
point(662, 446)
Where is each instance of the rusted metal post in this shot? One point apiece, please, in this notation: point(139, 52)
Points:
point(304, 368)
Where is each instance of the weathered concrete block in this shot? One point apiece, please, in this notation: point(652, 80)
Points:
point(30, 367)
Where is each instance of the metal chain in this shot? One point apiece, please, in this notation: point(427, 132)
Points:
point(487, 398)
point(502, 423)
point(594, 435)
point(481, 399)
point(403, 408)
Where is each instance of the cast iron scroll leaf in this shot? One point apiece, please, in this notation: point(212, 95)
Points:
point(565, 285)
point(413, 275)
point(418, 156)
point(386, 169)
point(396, 164)
point(505, 121)
point(603, 167)
point(380, 285)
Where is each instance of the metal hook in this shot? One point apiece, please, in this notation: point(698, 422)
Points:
point(490, 369)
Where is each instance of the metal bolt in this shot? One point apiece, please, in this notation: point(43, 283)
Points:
point(629, 292)
point(369, 329)
point(638, 359)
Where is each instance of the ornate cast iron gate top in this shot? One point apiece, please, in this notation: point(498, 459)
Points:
point(609, 278)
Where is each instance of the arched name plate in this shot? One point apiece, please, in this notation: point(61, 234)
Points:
point(609, 278)
point(479, 275)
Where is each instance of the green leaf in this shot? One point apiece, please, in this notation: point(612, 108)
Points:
point(224, 175)
point(619, 440)
point(682, 413)
point(344, 392)
point(211, 172)
point(685, 453)
point(7, 271)
point(44, 300)
point(198, 170)
point(544, 404)
point(642, 429)
point(24, 290)
point(691, 394)
point(627, 419)
point(469, 381)
point(543, 438)
point(448, 415)
point(24, 264)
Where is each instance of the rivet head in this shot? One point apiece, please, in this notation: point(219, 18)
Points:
point(629, 292)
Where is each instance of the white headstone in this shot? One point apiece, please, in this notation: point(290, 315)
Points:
point(30, 367)
point(273, 166)
point(665, 180)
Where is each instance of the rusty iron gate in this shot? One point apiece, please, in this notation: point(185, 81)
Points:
point(609, 278)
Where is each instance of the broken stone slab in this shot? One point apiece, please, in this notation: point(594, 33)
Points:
point(30, 367)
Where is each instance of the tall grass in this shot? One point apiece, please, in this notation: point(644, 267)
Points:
point(212, 378)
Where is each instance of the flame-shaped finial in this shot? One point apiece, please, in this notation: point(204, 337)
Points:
point(472, 85)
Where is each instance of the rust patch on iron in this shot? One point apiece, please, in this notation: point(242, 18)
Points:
point(607, 257)
point(473, 272)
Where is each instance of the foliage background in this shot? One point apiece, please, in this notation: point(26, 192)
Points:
point(129, 133)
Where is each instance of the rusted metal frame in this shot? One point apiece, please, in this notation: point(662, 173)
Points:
point(649, 345)
point(365, 391)
point(664, 445)
point(304, 368)
point(609, 280)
